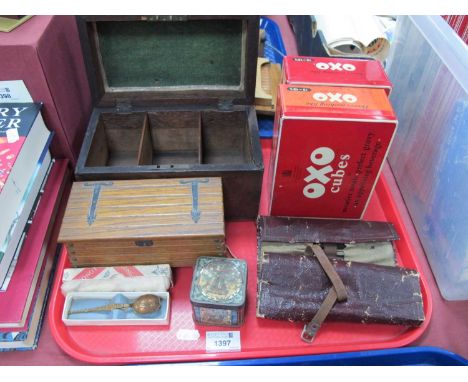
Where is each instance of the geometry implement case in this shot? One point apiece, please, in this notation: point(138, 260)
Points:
point(354, 240)
point(292, 284)
point(174, 98)
point(154, 221)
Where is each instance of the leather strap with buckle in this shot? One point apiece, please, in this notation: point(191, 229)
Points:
point(336, 293)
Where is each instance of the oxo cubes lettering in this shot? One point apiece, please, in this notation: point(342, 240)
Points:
point(335, 72)
point(335, 66)
point(334, 97)
point(329, 144)
point(319, 176)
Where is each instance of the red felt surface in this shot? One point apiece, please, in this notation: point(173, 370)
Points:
point(448, 328)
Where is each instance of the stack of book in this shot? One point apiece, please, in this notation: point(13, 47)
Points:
point(30, 188)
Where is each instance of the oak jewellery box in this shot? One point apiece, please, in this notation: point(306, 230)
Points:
point(149, 221)
point(174, 98)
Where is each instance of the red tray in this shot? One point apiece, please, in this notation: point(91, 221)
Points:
point(259, 337)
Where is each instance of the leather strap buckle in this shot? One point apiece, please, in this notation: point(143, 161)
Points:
point(309, 331)
point(336, 293)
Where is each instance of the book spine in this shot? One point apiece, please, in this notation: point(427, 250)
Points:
point(12, 265)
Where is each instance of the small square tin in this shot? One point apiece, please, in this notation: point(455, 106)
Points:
point(218, 291)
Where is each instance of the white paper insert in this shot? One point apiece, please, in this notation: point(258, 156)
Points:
point(223, 341)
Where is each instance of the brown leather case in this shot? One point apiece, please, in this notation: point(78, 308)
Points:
point(301, 230)
point(353, 240)
point(293, 287)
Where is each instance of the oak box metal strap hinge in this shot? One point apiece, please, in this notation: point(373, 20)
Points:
point(96, 186)
point(196, 213)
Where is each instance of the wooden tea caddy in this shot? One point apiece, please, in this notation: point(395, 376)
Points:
point(174, 97)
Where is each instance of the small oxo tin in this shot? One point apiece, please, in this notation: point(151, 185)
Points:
point(329, 146)
point(327, 71)
point(218, 291)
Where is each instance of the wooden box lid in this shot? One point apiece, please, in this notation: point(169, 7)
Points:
point(141, 60)
point(143, 209)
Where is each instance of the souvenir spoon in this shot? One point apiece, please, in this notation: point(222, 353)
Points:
point(148, 303)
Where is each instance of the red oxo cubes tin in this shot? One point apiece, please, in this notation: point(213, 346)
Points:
point(329, 144)
point(335, 72)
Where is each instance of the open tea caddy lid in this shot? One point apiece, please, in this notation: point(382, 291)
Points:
point(141, 60)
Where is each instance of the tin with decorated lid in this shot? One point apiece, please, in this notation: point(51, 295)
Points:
point(218, 291)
